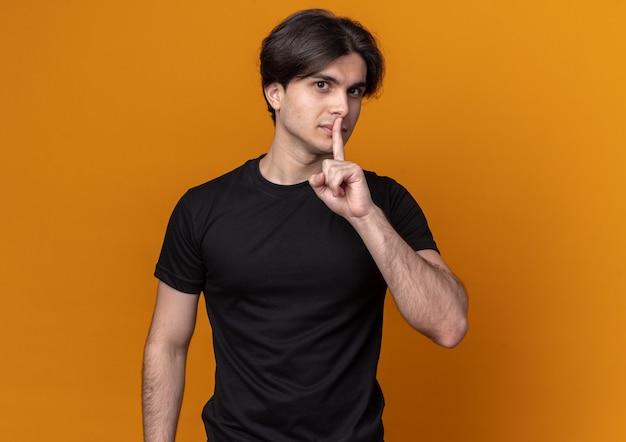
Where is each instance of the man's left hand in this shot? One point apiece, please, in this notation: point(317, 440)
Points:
point(341, 185)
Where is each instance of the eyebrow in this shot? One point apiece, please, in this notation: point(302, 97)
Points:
point(330, 79)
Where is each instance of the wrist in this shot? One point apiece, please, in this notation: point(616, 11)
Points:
point(374, 216)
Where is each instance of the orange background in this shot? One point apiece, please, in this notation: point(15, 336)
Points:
point(506, 120)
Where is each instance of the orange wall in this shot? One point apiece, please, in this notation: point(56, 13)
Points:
point(505, 119)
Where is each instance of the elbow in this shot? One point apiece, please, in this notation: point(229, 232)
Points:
point(453, 334)
point(454, 327)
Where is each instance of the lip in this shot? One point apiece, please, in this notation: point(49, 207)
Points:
point(328, 128)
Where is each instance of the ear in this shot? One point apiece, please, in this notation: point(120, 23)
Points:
point(274, 93)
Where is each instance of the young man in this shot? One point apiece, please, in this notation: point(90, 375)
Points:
point(294, 252)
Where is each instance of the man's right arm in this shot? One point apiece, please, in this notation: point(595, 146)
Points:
point(165, 357)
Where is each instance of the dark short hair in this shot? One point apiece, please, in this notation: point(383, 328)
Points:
point(307, 41)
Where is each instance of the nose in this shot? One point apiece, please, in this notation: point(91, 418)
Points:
point(340, 106)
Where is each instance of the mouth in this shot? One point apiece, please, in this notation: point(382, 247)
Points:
point(328, 128)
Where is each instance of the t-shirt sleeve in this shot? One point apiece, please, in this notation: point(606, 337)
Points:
point(180, 263)
point(406, 216)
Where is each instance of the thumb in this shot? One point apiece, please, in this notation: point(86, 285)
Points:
point(318, 180)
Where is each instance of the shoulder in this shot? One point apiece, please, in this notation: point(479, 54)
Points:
point(391, 196)
point(224, 180)
point(402, 210)
point(385, 190)
point(382, 182)
point(195, 205)
point(218, 188)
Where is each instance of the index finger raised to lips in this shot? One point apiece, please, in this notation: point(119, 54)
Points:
point(338, 153)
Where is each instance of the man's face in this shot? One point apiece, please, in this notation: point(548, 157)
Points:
point(307, 108)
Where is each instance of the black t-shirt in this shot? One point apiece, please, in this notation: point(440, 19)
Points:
point(295, 303)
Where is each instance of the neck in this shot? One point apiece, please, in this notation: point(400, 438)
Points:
point(286, 167)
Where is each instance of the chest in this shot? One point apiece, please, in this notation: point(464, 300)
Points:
point(264, 244)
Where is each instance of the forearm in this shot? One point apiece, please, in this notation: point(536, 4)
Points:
point(429, 296)
point(162, 391)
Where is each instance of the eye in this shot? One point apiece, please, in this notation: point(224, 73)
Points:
point(356, 92)
point(322, 85)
